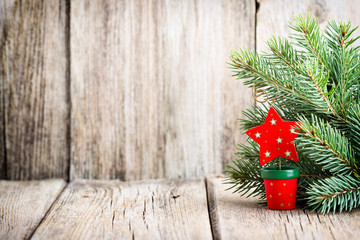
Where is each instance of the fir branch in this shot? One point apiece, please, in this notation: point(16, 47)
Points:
point(284, 53)
point(244, 176)
point(343, 61)
point(343, 84)
point(311, 175)
point(333, 150)
point(309, 36)
point(254, 68)
point(354, 130)
point(248, 66)
point(336, 193)
point(338, 34)
point(255, 116)
point(320, 92)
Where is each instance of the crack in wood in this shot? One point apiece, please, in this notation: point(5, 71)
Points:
point(331, 232)
point(286, 231)
point(152, 203)
point(144, 215)
point(317, 215)
point(112, 220)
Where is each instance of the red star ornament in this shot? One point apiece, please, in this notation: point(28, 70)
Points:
point(275, 138)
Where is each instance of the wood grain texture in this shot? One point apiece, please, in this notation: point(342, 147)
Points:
point(6, 8)
point(33, 87)
point(24, 204)
point(151, 93)
point(273, 16)
point(235, 217)
point(137, 210)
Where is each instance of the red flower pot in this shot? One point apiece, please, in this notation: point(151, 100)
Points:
point(280, 186)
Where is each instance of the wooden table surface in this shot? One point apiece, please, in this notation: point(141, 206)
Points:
point(156, 209)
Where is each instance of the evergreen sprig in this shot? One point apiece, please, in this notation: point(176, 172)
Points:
point(317, 75)
point(326, 146)
point(247, 172)
point(334, 193)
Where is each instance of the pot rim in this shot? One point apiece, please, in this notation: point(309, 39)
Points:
point(286, 172)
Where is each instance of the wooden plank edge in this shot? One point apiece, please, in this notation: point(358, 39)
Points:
point(212, 209)
point(66, 184)
point(68, 85)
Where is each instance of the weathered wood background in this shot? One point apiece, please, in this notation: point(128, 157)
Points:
point(130, 89)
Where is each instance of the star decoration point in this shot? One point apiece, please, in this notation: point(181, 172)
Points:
point(271, 137)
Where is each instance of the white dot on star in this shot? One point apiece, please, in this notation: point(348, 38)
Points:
point(279, 140)
point(287, 153)
point(267, 154)
point(257, 134)
point(273, 122)
point(292, 130)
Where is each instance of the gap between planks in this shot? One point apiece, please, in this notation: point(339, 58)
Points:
point(24, 204)
point(48, 210)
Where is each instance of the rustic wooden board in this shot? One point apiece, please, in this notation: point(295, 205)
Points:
point(118, 210)
point(5, 13)
point(151, 93)
point(273, 15)
point(24, 204)
point(235, 217)
point(33, 89)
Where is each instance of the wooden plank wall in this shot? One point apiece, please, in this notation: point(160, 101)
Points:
point(130, 89)
point(33, 89)
point(150, 87)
